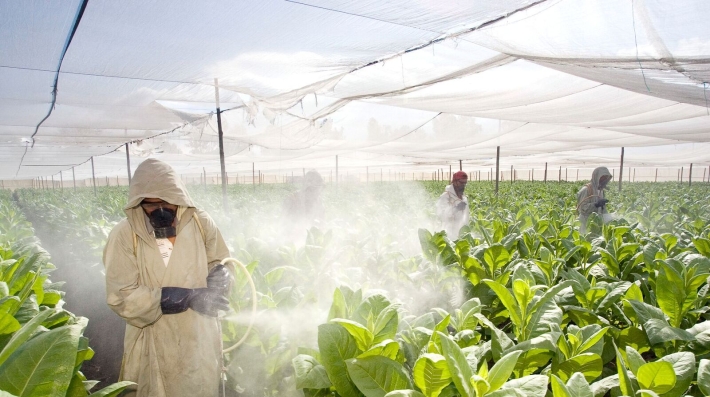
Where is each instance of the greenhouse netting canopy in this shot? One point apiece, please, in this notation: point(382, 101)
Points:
point(399, 83)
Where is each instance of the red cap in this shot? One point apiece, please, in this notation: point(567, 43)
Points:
point(459, 175)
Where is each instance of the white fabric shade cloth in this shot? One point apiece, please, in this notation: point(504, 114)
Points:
point(408, 85)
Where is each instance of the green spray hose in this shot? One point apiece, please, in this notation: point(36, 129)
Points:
point(253, 303)
point(251, 321)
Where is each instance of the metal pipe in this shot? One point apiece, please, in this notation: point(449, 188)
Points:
point(621, 168)
point(128, 165)
point(223, 169)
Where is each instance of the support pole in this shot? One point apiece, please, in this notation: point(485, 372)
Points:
point(559, 176)
point(634, 177)
point(204, 178)
point(450, 174)
point(93, 174)
point(621, 168)
point(460, 165)
point(497, 166)
point(61, 181)
point(73, 177)
point(704, 170)
point(545, 177)
point(336, 170)
point(512, 176)
point(52, 182)
point(577, 178)
point(655, 179)
point(128, 165)
point(681, 176)
point(253, 176)
point(690, 174)
point(566, 180)
point(221, 147)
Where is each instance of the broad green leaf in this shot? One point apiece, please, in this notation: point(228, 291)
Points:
point(559, 389)
point(544, 312)
point(386, 324)
point(459, 368)
point(589, 364)
point(376, 376)
point(363, 336)
point(495, 257)
point(8, 323)
point(404, 393)
point(309, 373)
point(659, 331)
point(508, 301)
point(703, 246)
point(337, 345)
point(531, 360)
point(634, 359)
point(527, 386)
point(480, 384)
point(704, 376)
point(42, 366)
point(500, 341)
point(431, 374)
point(113, 390)
point(627, 387)
point(684, 368)
point(670, 294)
point(657, 376)
point(502, 369)
point(387, 348)
point(579, 387)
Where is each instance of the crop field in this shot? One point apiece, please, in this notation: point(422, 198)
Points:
point(373, 301)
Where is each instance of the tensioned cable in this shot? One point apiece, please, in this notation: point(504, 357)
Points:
point(633, 22)
point(77, 20)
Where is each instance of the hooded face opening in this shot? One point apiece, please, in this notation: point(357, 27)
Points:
point(161, 215)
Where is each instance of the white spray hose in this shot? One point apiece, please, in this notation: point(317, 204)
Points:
point(253, 303)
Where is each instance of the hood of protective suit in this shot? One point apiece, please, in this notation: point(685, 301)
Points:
point(156, 179)
point(597, 175)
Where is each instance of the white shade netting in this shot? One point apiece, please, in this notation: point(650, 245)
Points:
point(398, 86)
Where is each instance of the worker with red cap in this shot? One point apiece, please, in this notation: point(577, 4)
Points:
point(452, 207)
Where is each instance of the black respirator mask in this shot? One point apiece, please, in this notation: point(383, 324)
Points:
point(162, 221)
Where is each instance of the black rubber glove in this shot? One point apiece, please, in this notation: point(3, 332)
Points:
point(461, 206)
point(220, 278)
point(601, 203)
point(207, 301)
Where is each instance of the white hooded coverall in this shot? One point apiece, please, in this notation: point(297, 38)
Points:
point(451, 218)
point(588, 195)
point(168, 355)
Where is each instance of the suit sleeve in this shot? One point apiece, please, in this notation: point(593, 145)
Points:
point(138, 304)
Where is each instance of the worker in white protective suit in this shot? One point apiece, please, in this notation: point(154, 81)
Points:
point(303, 208)
point(590, 198)
point(452, 207)
point(164, 278)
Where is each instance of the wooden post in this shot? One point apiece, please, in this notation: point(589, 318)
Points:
point(253, 177)
point(52, 182)
point(204, 177)
point(681, 175)
point(559, 176)
point(128, 165)
point(450, 175)
point(93, 174)
point(61, 181)
point(621, 168)
point(545, 178)
point(512, 177)
point(497, 166)
point(73, 177)
point(655, 179)
point(690, 174)
point(460, 165)
point(704, 170)
point(566, 180)
point(577, 178)
point(220, 133)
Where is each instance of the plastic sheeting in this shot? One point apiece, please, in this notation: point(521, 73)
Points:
point(405, 85)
